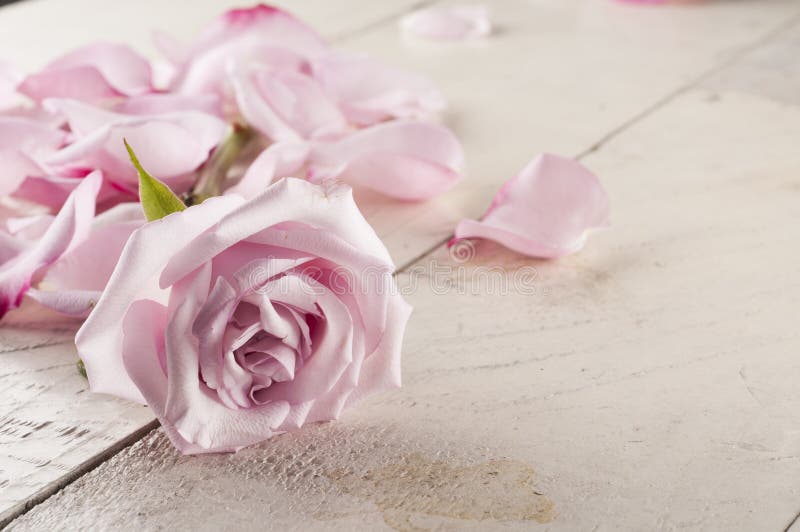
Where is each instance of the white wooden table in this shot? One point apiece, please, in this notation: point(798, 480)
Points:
point(651, 382)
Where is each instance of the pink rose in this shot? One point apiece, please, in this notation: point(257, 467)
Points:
point(245, 319)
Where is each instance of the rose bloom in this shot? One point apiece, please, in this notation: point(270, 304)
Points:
point(244, 319)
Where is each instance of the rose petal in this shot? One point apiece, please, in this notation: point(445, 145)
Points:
point(28, 135)
point(369, 91)
point(164, 103)
point(282, 159)
point(546, 211)
point(10, 77)
point(263, 33)
point(448, 23)
point(94, 72)
point(286, 106)
point(199, 418)
point(153, 137)
point(146, 253)
point(69, 228)
point(403, 159)
point(287, 200)
point(73, 283)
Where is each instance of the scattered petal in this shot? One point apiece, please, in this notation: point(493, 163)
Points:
point(92, 73)
point(545, 211)
point(454, 23)
point(403, 159)
point(70, 227)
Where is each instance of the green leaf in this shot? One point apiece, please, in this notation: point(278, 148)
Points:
point(157, 199)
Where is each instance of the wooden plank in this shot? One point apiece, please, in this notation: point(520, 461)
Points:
point(647, 383)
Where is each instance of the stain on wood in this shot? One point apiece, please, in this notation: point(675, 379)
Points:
point(496, 490)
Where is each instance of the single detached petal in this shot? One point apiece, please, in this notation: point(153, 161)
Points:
point(369, 91)
point(70, 227)
point(448, 23)
point(403, 159)
point(546, 211)
point(91, 73)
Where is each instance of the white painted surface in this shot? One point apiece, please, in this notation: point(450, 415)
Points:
point(649, 383)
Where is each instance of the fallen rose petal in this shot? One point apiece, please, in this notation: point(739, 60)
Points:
point(74, 282)
point(70, 227)
point(286, 105)
point(369, 91)
point(164, 103)
point(100, 135)
point(29, 136)
point(263, 33)
point(546, 211)
point(403, 159)
point(91, 73)
point(448, 22)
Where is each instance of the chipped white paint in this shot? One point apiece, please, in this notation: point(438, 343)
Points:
point(648, 383)
point(49, 423)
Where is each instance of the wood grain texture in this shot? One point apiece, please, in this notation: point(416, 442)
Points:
point(647, 383)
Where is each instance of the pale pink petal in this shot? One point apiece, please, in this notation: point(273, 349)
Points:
point(169, 145)
point(381, 369)
point(448, 23)
point(49, 191)
point(174, 51)
point(282, 159)
point(199, 418)
point(403, 159)
point(263, 34)
point(15, 168)
point(146, 253)
point(285, 201)
point(74, 282)
point(70, 227)
point(94, 72)
point(369, 91)
point(10, 77)
point(546, 211)
point(164, 103)
point(30, 136)
point(286, 105)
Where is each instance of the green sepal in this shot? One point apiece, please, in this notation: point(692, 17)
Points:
point(156, 198)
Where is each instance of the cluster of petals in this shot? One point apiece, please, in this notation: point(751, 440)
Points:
point(321, 113)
